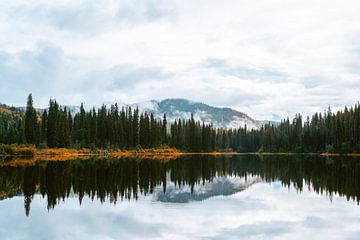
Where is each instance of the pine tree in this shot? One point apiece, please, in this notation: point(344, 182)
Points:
point(164, 130)
point(43, 130)
point(52, 132)
point(30, 122)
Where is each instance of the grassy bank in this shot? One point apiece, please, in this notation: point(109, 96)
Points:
point(164, 152)
point(31, 151)
point(17, 150)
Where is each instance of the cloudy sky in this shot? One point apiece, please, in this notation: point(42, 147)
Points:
point(267, 58)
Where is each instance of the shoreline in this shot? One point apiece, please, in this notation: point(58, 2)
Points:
point(162, 155)
point(155, 152)
point(10, 151)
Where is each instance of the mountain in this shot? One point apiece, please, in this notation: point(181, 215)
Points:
point(182, 108)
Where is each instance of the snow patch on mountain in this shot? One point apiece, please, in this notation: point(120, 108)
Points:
point(148, 106)
point(183, 109)
point(242, 122)
point(218, 186)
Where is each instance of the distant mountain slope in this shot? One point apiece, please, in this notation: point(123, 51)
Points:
point(182, 108)
point(73, 109)
point(10, 110)
point(9, 116)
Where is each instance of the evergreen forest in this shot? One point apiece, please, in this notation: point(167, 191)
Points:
point(127, 128)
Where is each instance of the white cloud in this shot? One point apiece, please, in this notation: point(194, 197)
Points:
point(264, 58)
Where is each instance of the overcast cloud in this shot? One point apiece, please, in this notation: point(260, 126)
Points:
point(267, 58)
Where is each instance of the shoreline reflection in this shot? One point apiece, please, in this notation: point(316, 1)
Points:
point(118, 179)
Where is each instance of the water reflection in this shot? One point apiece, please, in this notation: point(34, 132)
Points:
point(190, 178)
point(218, 186)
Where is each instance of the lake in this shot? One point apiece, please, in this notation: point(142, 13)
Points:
point(191, 197)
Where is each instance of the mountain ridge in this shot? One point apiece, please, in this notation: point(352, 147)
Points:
point(221, 117)
point(181, 108)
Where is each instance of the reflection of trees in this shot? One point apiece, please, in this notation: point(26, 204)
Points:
point(125, 178)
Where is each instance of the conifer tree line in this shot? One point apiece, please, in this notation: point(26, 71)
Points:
point(127, 128)
point(124, 128)
point(327, 132)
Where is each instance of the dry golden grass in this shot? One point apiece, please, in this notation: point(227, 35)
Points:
point(66, 152)
point(63, 154)
point(16, 150)
point(155, 153)
point(56, 151)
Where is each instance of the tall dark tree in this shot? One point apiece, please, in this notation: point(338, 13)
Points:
point(30, 121)
point(43, 129)
point(52, 132)
point(164, 132)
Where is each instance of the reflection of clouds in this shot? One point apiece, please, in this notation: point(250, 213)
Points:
point(263, 230)
point(261, 211)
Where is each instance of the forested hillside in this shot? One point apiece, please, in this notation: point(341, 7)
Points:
point(11, 125)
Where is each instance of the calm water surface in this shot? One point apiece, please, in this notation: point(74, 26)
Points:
point(193, 197)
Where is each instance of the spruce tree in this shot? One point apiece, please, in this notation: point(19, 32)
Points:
point(52, 132)
point(30, 121)
point(164, 130)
